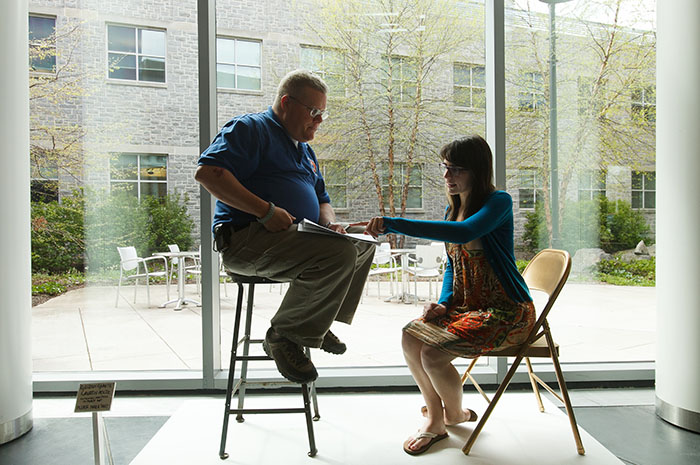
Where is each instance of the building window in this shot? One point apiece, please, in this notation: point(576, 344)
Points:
point(135, 54)
point(531, 94)
point(644, 189)
point(528, 191)
point(335, 174)
point(415, 185)
point(44, 176)
point(327, 63)
point(42, 44)
point(588, 103)
point(238, 64)
point(401, 75)
point(644, 104)
point(139, 174)
point(469, 86)
point(591, 184)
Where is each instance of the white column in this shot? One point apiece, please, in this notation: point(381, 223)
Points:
point(15, 272)
point(678, 213)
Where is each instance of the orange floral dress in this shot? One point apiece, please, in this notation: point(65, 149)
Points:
point(481, 316)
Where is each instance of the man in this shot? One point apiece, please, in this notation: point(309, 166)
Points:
point(266, 178)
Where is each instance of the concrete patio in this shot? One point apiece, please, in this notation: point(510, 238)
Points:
point(82, 330)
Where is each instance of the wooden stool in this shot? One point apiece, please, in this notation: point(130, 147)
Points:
point(243, 381)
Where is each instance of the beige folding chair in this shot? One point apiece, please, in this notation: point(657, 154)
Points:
point(546, 272)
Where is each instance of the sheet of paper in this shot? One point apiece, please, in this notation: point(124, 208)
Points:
point(311, 227)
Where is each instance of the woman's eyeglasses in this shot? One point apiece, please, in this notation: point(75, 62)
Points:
point(314, 112)
point(454, 170)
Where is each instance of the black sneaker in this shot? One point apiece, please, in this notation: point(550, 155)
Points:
point(290, 358)
point(332, 344)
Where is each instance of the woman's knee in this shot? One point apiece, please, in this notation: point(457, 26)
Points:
point(411, 346)
point(434, 359)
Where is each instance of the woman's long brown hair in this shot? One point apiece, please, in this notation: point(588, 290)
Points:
point(472, 153)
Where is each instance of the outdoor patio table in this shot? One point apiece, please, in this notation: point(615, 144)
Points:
point(181, 299)
point(403, 294)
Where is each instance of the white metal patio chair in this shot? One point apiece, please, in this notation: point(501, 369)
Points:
point(131, 262)
point(383, 256)
point(427, 264)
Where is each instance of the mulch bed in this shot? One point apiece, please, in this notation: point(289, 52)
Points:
point(41, 298)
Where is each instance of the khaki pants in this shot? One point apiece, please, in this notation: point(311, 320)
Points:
point(326, 275)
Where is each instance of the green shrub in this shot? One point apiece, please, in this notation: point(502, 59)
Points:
point(609, 225)
point(168, 223)
point(118, 219)
point(55, 284)
point(58, 235)
point(113, 219)
point(636, 273)
point(85, 229)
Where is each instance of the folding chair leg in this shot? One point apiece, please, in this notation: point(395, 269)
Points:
point(468, 375)
point(564, 393)
point(499, 392)
point(533, 382)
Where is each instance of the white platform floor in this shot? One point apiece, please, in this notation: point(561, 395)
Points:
point(368, 429)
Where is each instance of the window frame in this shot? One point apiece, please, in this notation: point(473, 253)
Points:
point(642, 109)
point(589, 191)
point(54, 46)
point(139, 181)
point(471, 87)
point(531, 91)
point(235, 64)
point(402, 96)
point(137, 55)
point(324, 72)
point(643, 191)
point(537, 192)
point(402, 166)
point(331, 165)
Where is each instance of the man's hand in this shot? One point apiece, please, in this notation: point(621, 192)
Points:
point(337, 228)
point(433, 310)
point(375, 227)
point(280, 221)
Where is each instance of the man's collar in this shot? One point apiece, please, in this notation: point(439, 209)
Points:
point(271, 113)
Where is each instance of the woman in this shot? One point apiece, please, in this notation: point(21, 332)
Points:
point(484, 304)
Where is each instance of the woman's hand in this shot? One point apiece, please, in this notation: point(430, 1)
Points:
point(375, 227)
point(433, 310)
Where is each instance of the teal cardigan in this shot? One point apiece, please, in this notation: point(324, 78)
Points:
point(493, 224)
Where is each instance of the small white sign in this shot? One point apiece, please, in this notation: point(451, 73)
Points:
point(95, 397)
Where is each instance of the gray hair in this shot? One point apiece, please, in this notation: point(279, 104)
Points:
point(296, 80)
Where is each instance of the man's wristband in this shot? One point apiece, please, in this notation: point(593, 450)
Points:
point(268, 215)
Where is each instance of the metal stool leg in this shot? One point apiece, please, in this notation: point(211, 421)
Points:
point(246, 350)
point(314, 399)
point(242, 383)
point(309, 421)
point(231, 373)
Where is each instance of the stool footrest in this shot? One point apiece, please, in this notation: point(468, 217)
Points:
point(253, 357)
point(266, 410)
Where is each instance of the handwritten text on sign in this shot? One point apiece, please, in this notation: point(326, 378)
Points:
point(95, 397)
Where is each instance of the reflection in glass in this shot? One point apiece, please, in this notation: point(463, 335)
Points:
point(121, 39)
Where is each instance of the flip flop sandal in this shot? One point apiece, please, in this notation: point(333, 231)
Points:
point(472, 415)
point(434, 437)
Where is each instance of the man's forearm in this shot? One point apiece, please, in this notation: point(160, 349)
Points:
point(326, 215)
point(223, 185)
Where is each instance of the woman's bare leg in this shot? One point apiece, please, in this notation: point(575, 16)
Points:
point(412, 349)
point(446, 382)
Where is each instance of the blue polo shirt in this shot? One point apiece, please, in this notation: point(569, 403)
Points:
point(258, 151)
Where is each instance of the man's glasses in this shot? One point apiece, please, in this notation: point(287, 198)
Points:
point(454, 170)
point(314, 112)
